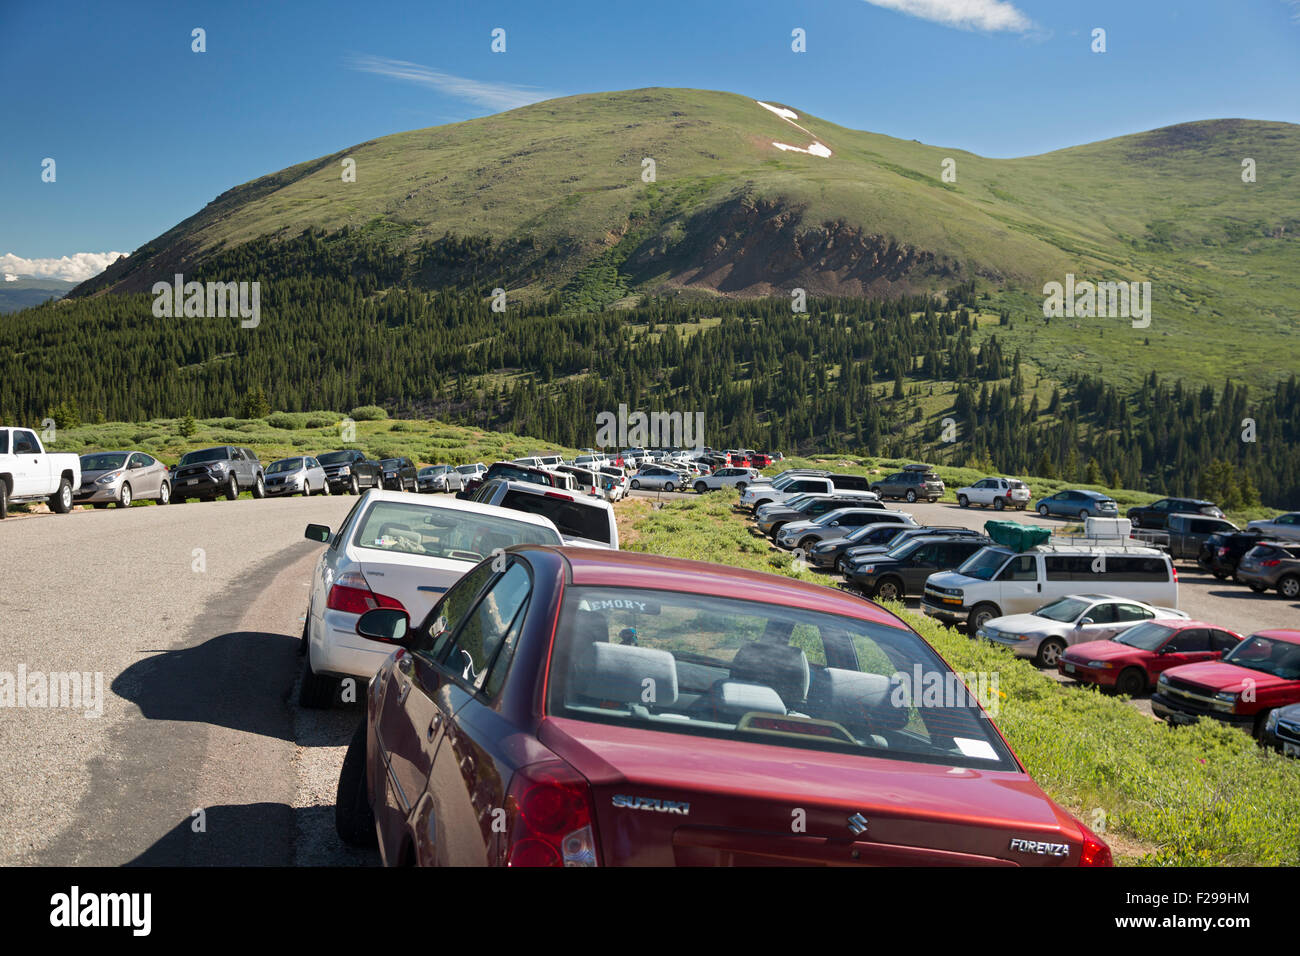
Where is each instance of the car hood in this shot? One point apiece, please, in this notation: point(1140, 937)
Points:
point(1103, 651)
point(952, 579)
point(1220, 676)
point(89, 476)
point(1028, 624)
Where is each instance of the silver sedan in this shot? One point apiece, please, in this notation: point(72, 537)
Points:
point(120, 477)
point(296, 476)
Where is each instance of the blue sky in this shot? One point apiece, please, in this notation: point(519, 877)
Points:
point(144, 131)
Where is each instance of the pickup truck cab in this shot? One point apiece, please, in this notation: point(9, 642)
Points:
point(1185, 534)
point(30, 473)
point(350, 471)
point(1258, 675)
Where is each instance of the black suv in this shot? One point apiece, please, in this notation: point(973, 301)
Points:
point(912, 483)
point(350, 470)
point(1222, 552)
point(399, 474)
point(224, 470)
point(1156, 515)
point(855, 551)
point(903, 570)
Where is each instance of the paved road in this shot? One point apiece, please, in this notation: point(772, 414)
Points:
point(191, 613)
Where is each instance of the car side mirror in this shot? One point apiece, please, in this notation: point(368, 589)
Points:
point(1086, 621)
point(388, 625)
point(317, 532)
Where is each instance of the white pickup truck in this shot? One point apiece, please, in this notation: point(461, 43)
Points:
point(29, 473)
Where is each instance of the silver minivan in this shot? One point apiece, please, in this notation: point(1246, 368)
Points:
point(996, 580)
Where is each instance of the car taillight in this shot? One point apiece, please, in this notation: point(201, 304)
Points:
point(551, 820)
point(1270, 564)
point(1175, 570)
point(1223, 552)
point(351, 592)
point(1094, 852)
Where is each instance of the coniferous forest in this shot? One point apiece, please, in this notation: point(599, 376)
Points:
point(344, 323)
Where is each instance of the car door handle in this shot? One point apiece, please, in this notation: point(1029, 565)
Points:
point(433, 726)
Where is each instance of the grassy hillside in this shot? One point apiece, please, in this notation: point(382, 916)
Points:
point(557, 189)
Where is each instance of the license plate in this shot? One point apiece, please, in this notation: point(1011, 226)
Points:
point(192, 481)
point(1291, 750)
point(1069, 668)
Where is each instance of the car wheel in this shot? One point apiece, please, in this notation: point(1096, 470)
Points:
point(636, 485)
point(316, 692)
point(740, 486)
point(701, 487)
point(354, 820)
point(807, 543)
point(232, 488)
point(911, 497)
point(259, 488)
point(1049, 652)
point(164, 494)
point(1257, 588)
point(325, 487)
point(1136, 520)
point(963, 501)
point(4, 499)
point(353, 487)
point(1289, 587)
point(1083, 515)
point(999, 504)
point(1042, 510)
point(61, 500)
point(981, 614)
point(1131, 682)
point(124, 496)
point(668, 486)
point(889, 589)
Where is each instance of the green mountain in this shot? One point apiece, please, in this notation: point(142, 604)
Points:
point(23, 293)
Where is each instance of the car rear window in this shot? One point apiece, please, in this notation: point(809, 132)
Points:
point(435, 532)
point(575, 519)
point(765, 674)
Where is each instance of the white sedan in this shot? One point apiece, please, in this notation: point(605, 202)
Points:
point(395, 549)
point(725, 478)
point(1283, 526)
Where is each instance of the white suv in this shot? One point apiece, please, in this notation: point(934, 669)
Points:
point(725, 478)
point(998, 492)
point(584, 521)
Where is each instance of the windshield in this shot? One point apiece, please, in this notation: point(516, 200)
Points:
point(984, 563)
point(443, 532)
point(391, 463)
point(334, 457)
point(467, 469)
point(1280, 658)
point(104, 461)
point(1147, 636)
point(284, 464)
point(574, 518)
point(765, 674)
point(904, 548)
point(208, 454)
point(1064, 610)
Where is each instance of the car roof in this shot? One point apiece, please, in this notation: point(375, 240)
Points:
point(595, 567)
point(1279, 634)
point(460, 504)
point(547, 491)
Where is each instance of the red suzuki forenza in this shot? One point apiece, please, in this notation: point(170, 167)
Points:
point(574, 707)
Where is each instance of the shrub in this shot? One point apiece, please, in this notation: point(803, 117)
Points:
point(282, 420)
point(368, 413)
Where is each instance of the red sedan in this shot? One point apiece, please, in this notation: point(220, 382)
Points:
point(570, 707)
point(1133, 661)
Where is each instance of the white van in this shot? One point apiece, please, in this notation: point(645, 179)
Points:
point(996, 581)
point(584, 521)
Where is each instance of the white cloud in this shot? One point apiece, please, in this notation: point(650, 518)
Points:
point(496, 96)
point(989, 15)
point(75, 268)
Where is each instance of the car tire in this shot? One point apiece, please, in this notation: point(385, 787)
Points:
point(1083, 515)
point(740, 486)
point(807, 543)
point(1042, 511)
point(325, 487)
point(164, 494)
point(353, 487)
point(981, 614)
point(701, 487)
point(4, 499)
point(1131, 682)
point(1289, 587)
point(999, 504)
point(61, 500)
point(635, 485)
point(911, 497)
point(259, 487)
point(1136, 520)
point(1049, 652)
point(232, 489)
point(123, 496)
point(354, 819)
point(963, 501)
point(1257, 588)
point(316, 692)
point(668, 486)
point(890, 589)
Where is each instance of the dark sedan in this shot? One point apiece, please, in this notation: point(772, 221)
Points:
point(1156, 515)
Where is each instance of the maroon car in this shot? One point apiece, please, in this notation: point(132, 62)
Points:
point(574, 707)
point(1133, 661)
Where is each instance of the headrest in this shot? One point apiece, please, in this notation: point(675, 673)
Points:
point(781, 666)
point(618, 673)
